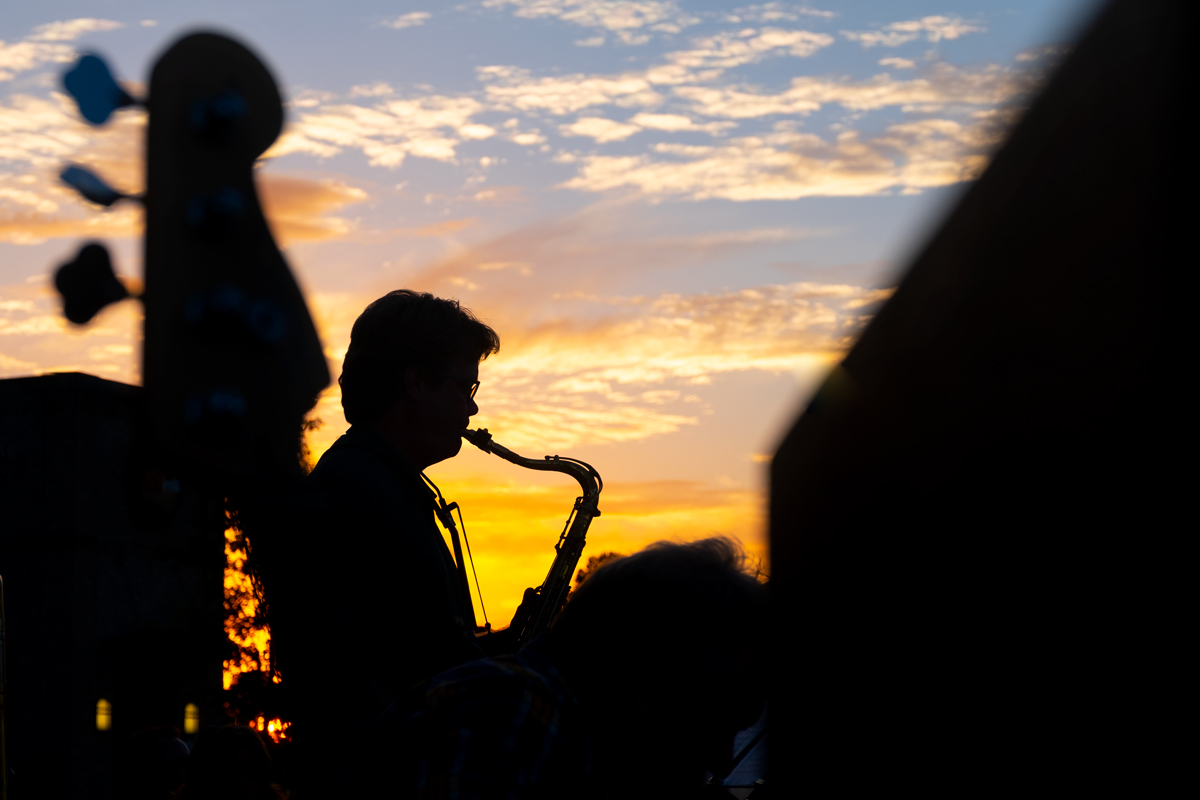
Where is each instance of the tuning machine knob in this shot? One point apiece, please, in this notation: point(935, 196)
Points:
point(88, 284)
point(95, 90)
point(92, 186)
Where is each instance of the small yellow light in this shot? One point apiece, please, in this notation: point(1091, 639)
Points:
point(103, 715)
point(191, 719)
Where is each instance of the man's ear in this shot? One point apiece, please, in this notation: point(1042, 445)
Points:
point(416, 382)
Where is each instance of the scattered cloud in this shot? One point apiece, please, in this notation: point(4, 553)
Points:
point(430, 126)
point(445, 227)
point(71, 29)
point(631, 21)
point(411, 20)
point(512, 88)
point(598, 128)
point(774, 12)
point(788, 165)
point(726, 50)
point(935, 29)
point(36, 339)
point(679, 122)
point(621, 377)
point(377, 89)
point(47, 45)
point(298, 208)
point(944, 84)
point(898, 63)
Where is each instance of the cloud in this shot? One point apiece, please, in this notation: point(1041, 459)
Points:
point(788, 165)
point(36, 339)
point(935, 29)
point(774, 12)
point(945, 83)
point(71, 29)
point(297, 208)
point(898, 63)
point(619, 376)
point(627, 19)
point(726, 50)
point(511, 88)
point(679, 122)
point(377, 89)
point(17, 227)
point(445, 227)
point(37, 136)
point(46, 45)
point(598, 128)
point(410, 20)
point(387, 132)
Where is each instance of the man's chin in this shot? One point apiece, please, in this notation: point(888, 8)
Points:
point(449, 451)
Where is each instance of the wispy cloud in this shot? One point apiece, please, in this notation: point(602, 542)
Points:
point(299, 208)
point(774, 12)
point(512, 88)
point(726, 50)
point(45, 45)
point(71, 29)
point(787, 165)
point(631, 21)
point(945, 83)
point(410, 20)
point(935, 29)
point(429, 126)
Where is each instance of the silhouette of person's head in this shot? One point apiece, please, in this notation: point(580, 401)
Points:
point(154, 764)
point(411, 371)
point(229, 763)
point(664, 650)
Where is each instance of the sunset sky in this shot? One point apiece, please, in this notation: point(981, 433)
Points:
point(676, 214)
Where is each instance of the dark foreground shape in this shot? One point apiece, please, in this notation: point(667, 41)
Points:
point(972, 523)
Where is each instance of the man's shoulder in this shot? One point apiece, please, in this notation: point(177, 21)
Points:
point(349, 459)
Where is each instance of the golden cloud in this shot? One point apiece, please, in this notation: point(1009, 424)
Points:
point(945, 83)
point(298, 208)
point(788, 165)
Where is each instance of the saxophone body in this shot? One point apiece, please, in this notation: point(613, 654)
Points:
point(553, 592)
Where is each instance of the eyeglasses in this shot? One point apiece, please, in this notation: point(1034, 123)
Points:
point(468, 388)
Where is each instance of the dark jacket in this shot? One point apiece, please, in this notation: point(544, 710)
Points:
point(390, 575)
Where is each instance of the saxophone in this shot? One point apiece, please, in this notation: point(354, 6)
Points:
point(551, 595)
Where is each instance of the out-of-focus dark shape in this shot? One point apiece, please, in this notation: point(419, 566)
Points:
point(113, 571)
point(90, 185)
point(92, 85)
point(973, 522)
point(154, 764)
point(227, 763)
point(88, 284)
point(231, 358)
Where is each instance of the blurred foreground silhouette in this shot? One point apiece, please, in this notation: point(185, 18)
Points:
point(972, 522)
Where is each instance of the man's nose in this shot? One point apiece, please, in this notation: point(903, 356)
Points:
point(472, 407)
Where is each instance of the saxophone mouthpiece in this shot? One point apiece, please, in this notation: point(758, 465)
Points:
point(480, 438)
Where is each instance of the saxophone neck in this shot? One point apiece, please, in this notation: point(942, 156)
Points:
point(589, 480)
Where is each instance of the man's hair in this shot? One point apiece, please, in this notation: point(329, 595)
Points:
point(671, 603)
point(406, 329)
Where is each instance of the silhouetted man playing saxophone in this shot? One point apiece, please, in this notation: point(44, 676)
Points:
point(394, 602)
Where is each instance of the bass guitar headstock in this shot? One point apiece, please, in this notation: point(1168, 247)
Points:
point(231, 360)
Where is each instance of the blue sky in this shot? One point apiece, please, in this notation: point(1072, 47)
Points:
point(678, 215)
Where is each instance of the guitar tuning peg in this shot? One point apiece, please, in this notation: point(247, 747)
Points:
point(91, 186)
point(88, 284)
point(95, 90)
